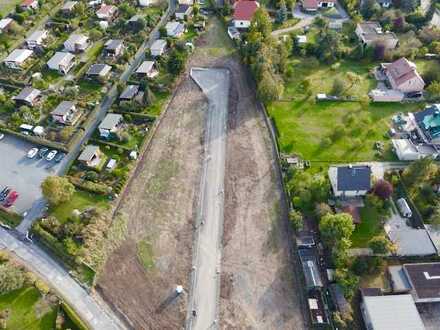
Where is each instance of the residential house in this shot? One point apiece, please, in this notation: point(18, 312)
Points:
point(402, 75)
point(91, 156)
point(175, 29)
point(244, 11)
point(110, 125)
point(147, 69)
point(113, 48)
point(421, 280)
point(62, 62)
point(76, 43)
point(158, 48)
point(5, 24)
point(36, 39)
point(28, 96)
point(391, 312)
point(29, 5)
point(185, 2)
point(16, 59)
point(183, 11)
point(65, 113)
point(129, 94)
point(350, 181)
point(144, 3)
point(69, 7)
point(371, 34)
point(99, 71)
point(314, 5)
point(106, 12)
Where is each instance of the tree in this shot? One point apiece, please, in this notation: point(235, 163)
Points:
point(176, 62)
point(434, 219)
point(369, 8)
point(322, 209)
point(381, 245)
point(335, 227)
point(57, 190)
point(270, 88)
point(420, 171)
point(296, 219)
point(434, 89)
point(348, 282)
point(261, 23)
point(408, 5)
point(383, 189)
point(281, 12)
point(11, 278)
point(338, 87)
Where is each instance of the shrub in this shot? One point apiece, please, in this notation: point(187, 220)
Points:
point(11, 278)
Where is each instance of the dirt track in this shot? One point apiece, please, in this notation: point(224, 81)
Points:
point(160, 205)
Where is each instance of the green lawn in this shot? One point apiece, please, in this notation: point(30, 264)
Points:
point(368, 228)
point(145, 254)
point(6, 6)
point(27, 311)
point(332, 131)
point(81, 200)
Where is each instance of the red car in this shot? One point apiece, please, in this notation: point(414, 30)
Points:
point(12, 197)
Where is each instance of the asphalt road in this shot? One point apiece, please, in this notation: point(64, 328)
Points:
point(91, 310)
point(204, 294)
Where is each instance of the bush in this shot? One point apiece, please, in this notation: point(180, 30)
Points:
point(11, 278)
point(57, 190)
point(93, 187)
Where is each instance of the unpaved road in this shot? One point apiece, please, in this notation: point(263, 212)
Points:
point(204, 298)
point(140, 277)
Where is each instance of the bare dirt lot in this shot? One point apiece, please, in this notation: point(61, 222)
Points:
point(258, 283)
point(140, 276)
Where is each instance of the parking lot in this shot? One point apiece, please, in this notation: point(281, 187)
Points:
point(22, 174)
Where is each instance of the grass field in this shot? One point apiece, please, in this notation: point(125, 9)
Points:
point(368, 228)
point(27, 310)
point(81, 200)
point(6, 6)
point(332, 131)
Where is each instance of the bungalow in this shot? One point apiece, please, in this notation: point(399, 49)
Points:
point(5, 24)
point(68, 7)
point(175, 29)
point(244, 10)
point(76, 43)
point(16, 59)
point(37, 38)
point(90, 156)
point(350, 181)
point(113, 48)
point(314, 5)
point(158, 48)
point(403, 76)
point(29, 4)
point(28, 96)
point(62, 62)
point(65, 113)
point(106, 12)
point(371, 34)
point(129, 93)
point(99, 71)
point(110, 125)
point(183, 11)
point(147, 68)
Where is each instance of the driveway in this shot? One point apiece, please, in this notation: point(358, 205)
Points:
point(23, 174)
point(206, 278)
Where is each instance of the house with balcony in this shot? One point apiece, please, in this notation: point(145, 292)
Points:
point(65, 113)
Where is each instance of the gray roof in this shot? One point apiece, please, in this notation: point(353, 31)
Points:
point(182, 9)
point(399, 280)
point(310, 268)
point(424, 279)
point(37, 35)
point(99, 69)
point(372, 30)
point(113, 44)
point(158, 45)
point(339, 299)
point(28, 94)
point(60, 58)
point(63, 108)
point(392, 312)
point(145, 67)
point(18, 55)
point(110, 121)
point(88, 153)
point(69, 5)
point(129, 92)
point(353, 178)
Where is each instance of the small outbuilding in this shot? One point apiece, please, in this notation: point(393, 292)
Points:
point(113, 48)
point(110, 125)
point(61, 62)
point(28, 96)
point(36, 39)
point(99, 71)
point(17, 58)
point(158, 48)
point(76, 43)
point(147, 69)
point(91, 156)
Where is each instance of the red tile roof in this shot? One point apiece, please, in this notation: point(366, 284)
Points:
point(27, 3)
point(402, 70)
point(244, 10)
point(310, 4)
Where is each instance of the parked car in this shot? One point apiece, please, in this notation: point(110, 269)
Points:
point(4, 193)
point(32, 153)
point(59, 157)
point(43, 152)
point(12, 197)
point(51, 155)
point(2, 136)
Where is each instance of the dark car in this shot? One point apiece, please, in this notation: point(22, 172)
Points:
point(43, 152)
point(59, 157)
point(4, 193)
point(12, 197)
point(414, 95)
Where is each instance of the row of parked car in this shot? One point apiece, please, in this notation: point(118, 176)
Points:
point(45, 153)
point(8, 197)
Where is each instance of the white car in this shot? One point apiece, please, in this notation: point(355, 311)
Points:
point(32, 153)
point(2, 136)
point(51, 155)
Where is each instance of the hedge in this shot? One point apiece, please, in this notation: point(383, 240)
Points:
point(93, 187)
point(10, 218)
point(73, 316)
point(35, 139)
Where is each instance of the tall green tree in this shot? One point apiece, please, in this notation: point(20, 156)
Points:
point(57, 190)
point(335, 227)
point(261, 23)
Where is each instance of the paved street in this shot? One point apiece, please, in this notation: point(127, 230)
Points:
point(91, 310)
point(206, 278)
